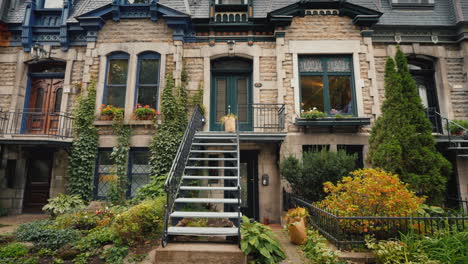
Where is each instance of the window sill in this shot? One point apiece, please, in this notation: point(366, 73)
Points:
point(132, 122)
point(331, 121)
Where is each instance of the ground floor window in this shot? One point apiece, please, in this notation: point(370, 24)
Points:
point(354, 149)
point(315, 148)
point(138, 171)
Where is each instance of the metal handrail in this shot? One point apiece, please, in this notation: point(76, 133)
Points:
point(267, 117)
point(174, 177)
point(448, 123)
point(238, 183)
point(37, 123)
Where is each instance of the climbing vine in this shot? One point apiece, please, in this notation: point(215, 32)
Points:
point(118, 190)
point(167, 138)
point(85, 144)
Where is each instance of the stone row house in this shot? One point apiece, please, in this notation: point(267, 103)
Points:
point(264, 60)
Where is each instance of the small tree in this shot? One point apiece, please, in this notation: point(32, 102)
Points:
point(370, 192)
point(401, 140)
point(307, 177)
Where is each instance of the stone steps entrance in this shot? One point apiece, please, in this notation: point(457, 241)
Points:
point(203, 253)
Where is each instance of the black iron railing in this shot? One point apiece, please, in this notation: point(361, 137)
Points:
point(174, 177)
point(50, 124)
point(443, 126)
point(264, 117)
point(349, 231)
point(239, 220)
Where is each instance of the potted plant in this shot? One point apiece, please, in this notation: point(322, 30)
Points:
point(229, 122)
point(145, 112)
point(313, 114)
point(457, 129)
point(107, 112)
point(296, 225)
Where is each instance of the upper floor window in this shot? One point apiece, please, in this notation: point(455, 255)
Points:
point(116, 80)
point(53, 3)
point(148, 79)
point(326, 83)
point(232, 2)
point(412, 3)
point(137, 1)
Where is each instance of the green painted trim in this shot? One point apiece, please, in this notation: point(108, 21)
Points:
point(348, 121)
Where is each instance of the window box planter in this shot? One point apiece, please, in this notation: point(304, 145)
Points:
point(332, 121)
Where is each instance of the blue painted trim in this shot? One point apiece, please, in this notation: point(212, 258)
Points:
point(110, 56)
point(142, 56)
point(26, 102)
point(47, 75)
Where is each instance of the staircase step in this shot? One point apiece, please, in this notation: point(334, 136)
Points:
point(214, 144)
point(207, 188)
point(206, 200)
point(462, 156)
point(200, 231)
point(215, 137)
point(209, 177)
point(458, 148)
point(213, 151)
point(183, 214)
point(213, 159)
point(210, 168)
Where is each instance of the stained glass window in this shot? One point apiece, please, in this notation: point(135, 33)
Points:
point(140, 170)
point(326, 84)
point(105, 173)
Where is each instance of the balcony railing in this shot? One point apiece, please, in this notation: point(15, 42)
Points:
point(263, 117)
point(30, 123)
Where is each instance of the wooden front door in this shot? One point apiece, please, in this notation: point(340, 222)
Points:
point(42, 116)
point(231, 94)
point(39, 170)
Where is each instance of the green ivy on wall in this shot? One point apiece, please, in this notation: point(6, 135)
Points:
point(84, 148)
point(118, 190)
point(167, 138)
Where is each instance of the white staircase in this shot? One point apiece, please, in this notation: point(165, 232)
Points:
point(211, 177)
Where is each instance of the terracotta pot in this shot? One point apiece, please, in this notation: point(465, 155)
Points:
point(229, 124)
point(107, 117)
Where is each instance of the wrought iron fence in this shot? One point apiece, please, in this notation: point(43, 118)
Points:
point(264, 117)
point(348, 231)
point(174, 178)
point(50, 124)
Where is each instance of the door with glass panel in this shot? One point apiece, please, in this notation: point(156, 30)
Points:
point(231, 93)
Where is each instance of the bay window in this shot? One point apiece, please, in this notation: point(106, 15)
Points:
point(116, 80)
point(148, 79)
point(326, 83)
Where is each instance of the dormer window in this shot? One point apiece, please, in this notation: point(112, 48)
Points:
point(53, 4)
point(137, 1)
point(413, 3)
point(232, 2)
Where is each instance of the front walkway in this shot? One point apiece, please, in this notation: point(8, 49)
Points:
point(293, 252)
point(13, 221)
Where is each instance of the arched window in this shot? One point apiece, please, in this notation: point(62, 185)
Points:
point(147, 85)
point(422, 70)
point(116, 79)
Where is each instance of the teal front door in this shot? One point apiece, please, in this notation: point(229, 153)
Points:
point(231, 93)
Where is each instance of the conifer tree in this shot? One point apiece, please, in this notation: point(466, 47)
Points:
point(401, 140)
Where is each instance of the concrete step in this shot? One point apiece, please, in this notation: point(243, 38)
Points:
point(184, 214)
point(207, 188)
point(212, 151)
point(199, 253)
point(206, 200)
point(209, 177)
point(219, 144)
point(209, 168)
point(203, 231)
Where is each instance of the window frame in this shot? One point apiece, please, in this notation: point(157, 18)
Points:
point(118, 55)
point(43, 3)
point(96, 173)
point(151, 55)
point(325, 74)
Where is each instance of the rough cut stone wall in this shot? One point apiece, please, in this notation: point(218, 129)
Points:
point(135, 30)
point(322, 27)
point(459, 92)
point(7, 82)
point(268, 68)
point(194, 68)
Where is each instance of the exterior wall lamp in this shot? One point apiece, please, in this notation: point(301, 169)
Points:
point(38, 52)
point(231, 44)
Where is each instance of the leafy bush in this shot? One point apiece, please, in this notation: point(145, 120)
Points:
point(79, 220)
point(63, 204)
point(154, 189)
point(317, 250)
point(260, 242)
point(13, 251)
point(115, 254)
point(141, 220)
point(371, 192)
point(397, 252)
point(96, 238)
point(446, 247)
point(307, 177)
point(313, 114)
point(43, 234)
